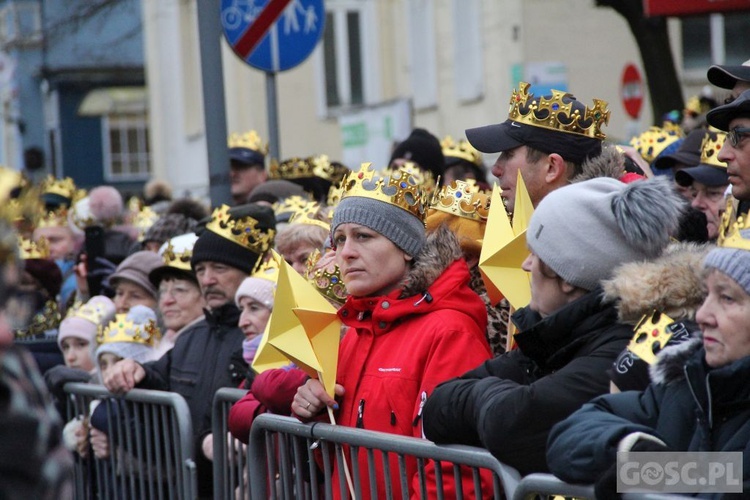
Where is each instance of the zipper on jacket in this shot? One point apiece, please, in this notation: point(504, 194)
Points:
point(393, 417)
point(423, 400)
point(361, 414)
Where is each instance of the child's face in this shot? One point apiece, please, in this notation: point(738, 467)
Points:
point(77, 353)
point(106, 361)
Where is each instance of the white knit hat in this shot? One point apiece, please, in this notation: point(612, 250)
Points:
point(260, 290)
point(83, 322)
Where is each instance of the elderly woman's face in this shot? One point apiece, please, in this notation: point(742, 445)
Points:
point(724, 319)
point(370, 263)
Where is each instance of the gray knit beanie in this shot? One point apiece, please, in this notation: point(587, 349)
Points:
point(404, 229)
point(733, 262)
point(583, 231)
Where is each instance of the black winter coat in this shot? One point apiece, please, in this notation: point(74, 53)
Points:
point(692, 408)
point(509, 404)
point(205, 358)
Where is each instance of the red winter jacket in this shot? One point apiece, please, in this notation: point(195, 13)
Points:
point(272, 391)
point(400, 346)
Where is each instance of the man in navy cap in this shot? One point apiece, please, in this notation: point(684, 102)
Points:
point(247, 157)
point(734, 118)
point(733, 78)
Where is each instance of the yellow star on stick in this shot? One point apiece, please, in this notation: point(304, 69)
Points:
point(268, 357)
point(504, 249)
point(304, 327)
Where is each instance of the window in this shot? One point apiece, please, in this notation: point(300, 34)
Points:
point(126, 151)
point(347, 61)
point(422, 53)
point(467, 55)
point(714, 39)
point(20, 23)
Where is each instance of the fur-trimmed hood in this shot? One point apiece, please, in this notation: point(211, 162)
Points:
point(671, 284)
point(670, 362)
point(439, 251)
point(610, 163)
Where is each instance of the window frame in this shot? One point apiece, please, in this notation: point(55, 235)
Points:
point(140, 123)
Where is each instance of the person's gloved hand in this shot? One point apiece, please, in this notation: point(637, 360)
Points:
point(606, 486)
point(57, 376)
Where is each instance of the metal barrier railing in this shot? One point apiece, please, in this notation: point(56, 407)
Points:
point(281, 458)
point(151, 445)
point(536, 486)
point(230, 478)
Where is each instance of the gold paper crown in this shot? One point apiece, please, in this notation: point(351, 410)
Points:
point(54, 218)
point(463, 199)
point(655, 140)
point(397, 187)
point(312, 215)
point(121, 329)
point(651, 336)
point(92, 312)
point(143, 220)
point(326, 280)
point(9, 181)
point(334, 194)
point(304, 168)
point(179, 260)
point(291, 204)
point(29, 249)
point(461, 149)
point(269, 269)
point(710, 148)
point(63, 187)
point(729, 230)
point(248, 140)
point(424, 178)
point(243, 231)
point(557, 113)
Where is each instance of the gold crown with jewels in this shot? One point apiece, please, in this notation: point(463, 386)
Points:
point(248, 140)
point(655, 140)
point(94, 313)
point(178, 260)
point(730, 227)
point(29, 249)
point(243, 231)
point(463, 199)
point(710, 147)
point(558, 113)
point(461, 149)
point(651, 336)
point(269, 269)
point(121, 329)
point(326, 280)
point(143, 220)
point(398, 187)
point(304, 168)
point(290, 204)
point(313, 215)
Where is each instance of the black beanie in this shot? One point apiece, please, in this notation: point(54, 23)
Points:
point(422, 148)
point(214, 247)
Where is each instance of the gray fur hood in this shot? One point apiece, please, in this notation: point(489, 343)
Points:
point(610, 163)
point(671, 284)
point(670, 362)
point(439, 251)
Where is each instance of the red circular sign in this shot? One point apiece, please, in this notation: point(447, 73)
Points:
point(631, 90)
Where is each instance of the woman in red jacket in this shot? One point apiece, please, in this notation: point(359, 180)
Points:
point(413, 319)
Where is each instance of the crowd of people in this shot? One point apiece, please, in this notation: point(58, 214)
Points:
point(172, 295)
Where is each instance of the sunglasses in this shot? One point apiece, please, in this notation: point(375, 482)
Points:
point(736, 134)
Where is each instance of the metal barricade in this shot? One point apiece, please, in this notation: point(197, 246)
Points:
point(229, 453)
point(281, 458)
point(150, 445)
point(536, 486)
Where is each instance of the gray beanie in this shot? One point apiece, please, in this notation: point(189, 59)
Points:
point(405, 230)
point(733, 262)
point(583, 231)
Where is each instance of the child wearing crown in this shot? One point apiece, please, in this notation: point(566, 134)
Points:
point(408, 312)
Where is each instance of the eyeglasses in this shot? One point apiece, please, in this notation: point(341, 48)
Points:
point(176, 291)
point(736, 134)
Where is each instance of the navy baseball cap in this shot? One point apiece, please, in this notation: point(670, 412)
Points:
point(246, 156)
point(705, 174)
point(721, 116)
point(726, 77)
point(688, 154)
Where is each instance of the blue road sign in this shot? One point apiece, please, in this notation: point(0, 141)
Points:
point(273, 35)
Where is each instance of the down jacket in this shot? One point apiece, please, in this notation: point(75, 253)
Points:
point(689, 406)
point(509, 404)
point(401, 345)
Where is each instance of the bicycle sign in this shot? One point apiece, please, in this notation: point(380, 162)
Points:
point(273, 35)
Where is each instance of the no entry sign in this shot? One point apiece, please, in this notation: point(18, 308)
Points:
point(631, 91)
point(273, 35)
